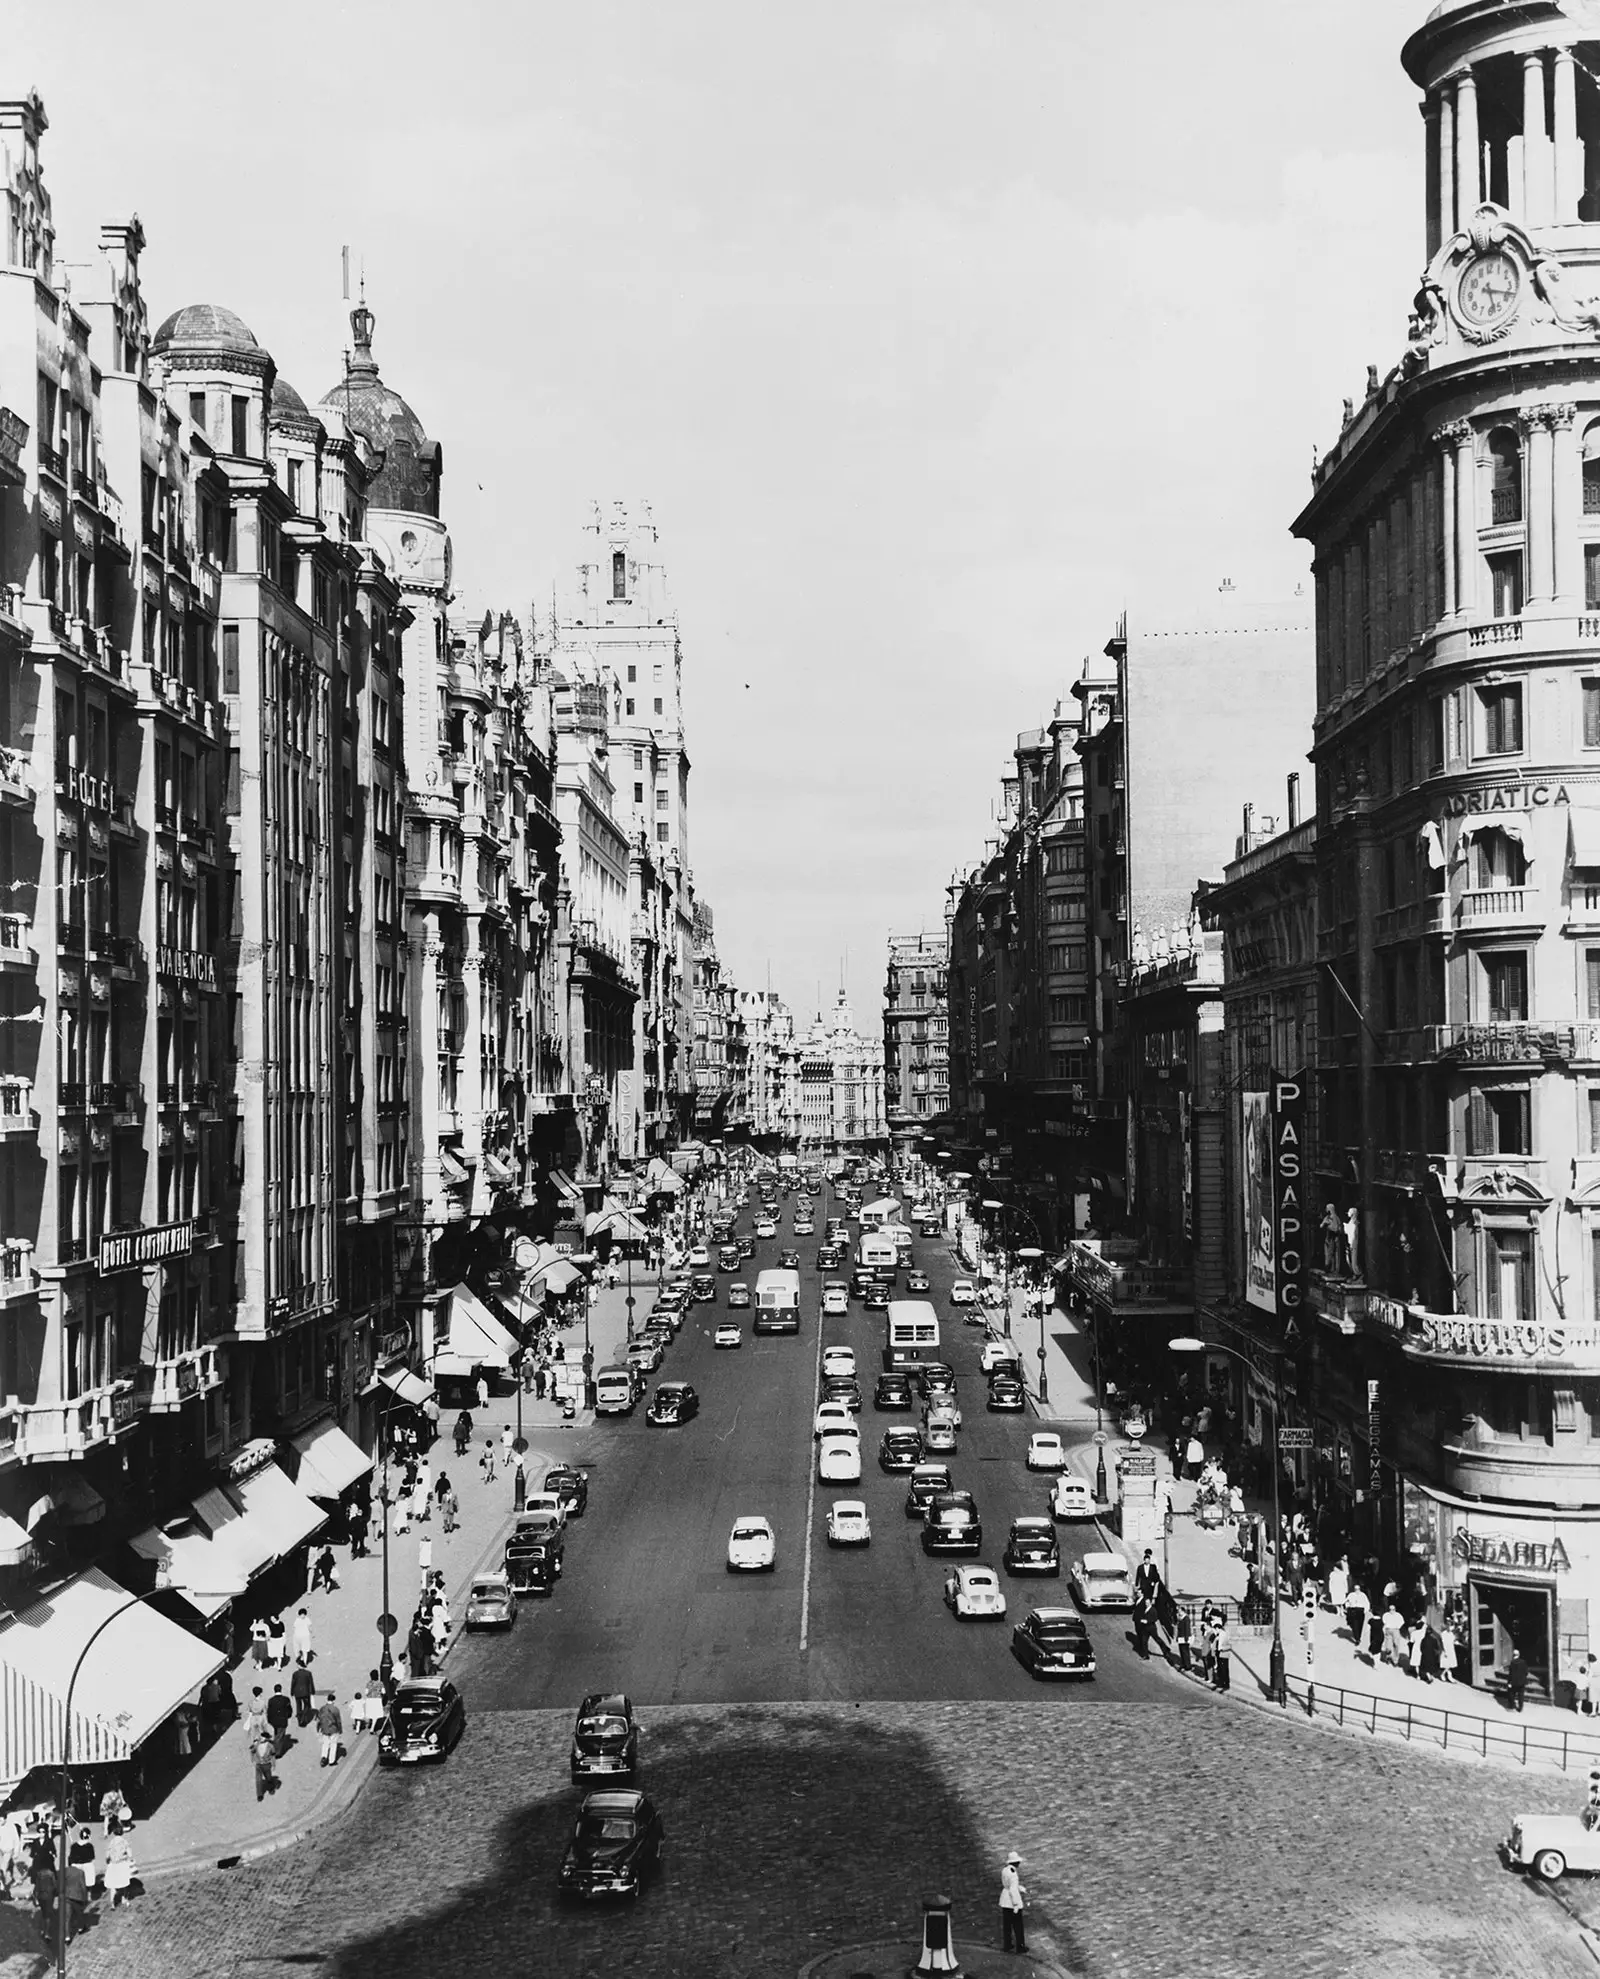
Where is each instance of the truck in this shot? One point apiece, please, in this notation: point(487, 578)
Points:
point(777, 1308)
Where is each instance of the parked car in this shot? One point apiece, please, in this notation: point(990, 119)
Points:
point(1031, 1548)
point(1007, 1394)
point(1071, 1498)
point(426, 1720)
point(535, 1551)
point(615, 1845)
point(605, 1739)
point(900, 1450)
point(963, 1292)
point(752, 1545)
point(1053, 1642)
point(673, 1404)
point(927, 1481)
point(738, 1296)
point(831, 1415)
point(951, 1523)
point(999, 1350)
point(699, 1258)
point(839, 1460)
point(893, 1391)
point(1102, 1580)
point(1551, 1844)
point(570, 1486)
point(848, 1524)
point(1046, 1451)
point(728, 1336)
point(492, 1603)
point(643, 1351)
point(974, 1594)
point(842, 1388)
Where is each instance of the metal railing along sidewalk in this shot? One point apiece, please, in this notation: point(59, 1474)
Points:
point(1528, 1741)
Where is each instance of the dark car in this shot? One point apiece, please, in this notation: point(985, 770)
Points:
point(673, 1402)
point(1007, 1392)
point(927, 1481)
point(1031, 1547)
point(615, 1844)
point(893, 1391)
point(789, 1260)
point(1010, 1364)
point(747, 1248)
point(900, 1450)
point(917, 1281)
point(861, 1281)
point(425, 1721)
point(1053, 1642)
point(842, 1388)
point(937, 1378)
point(534, 1554)
point(605, 1740)
point(951, 1524)
point(571, 1487)
point(728, 1258)
point(876, 1297)
point(829, 1257)
point(703, 1288)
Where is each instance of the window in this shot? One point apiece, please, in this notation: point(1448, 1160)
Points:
point(1591, 568)
point(1502, 720)
point(197, 409)
point(638, 759)
point(1505, 979)
point(1591, 714)
point(658, 704)
point(633, 675)
point(619, 580)
point(1591, 970)
point(241, 426)
point(1065, 957)
point(661, 834)
point(1064, 856)
point(294, 488)
point(1068, 907)
point(638, 793)
point(627, 707)
point(1505, 582)
point(1499, 1120)
point(661, 800)
point(1505, 474)
point(1509, 1258)
point(1499, 860)
point(1069, 1009)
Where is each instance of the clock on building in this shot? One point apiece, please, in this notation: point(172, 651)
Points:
point(1488, 293)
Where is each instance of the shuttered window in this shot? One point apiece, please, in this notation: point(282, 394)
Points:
point(1499, 1121)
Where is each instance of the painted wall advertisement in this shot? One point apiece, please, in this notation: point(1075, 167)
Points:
point(1260, 1283)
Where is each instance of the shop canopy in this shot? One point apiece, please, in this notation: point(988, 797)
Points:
point(622, 1223)
point(15, 1543)
point(566, 1188)
point(475, 1339)
point(329, 1461)
point(207, 1572)
point(559, 1276)
point(245, 1542)
point(134, 1668)
point(279, 1511)
point(408, 1386)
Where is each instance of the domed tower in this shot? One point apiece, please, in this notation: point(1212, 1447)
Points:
point(1456, 528)
point(211, 356)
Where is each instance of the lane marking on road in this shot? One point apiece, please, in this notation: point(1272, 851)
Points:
point(811, 1508)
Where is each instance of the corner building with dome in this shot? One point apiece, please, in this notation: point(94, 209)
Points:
point(1456, 532)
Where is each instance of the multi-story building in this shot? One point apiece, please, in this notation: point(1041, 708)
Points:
point(916, 1035)
point(841, 1083)
point(772, 1069)
point(1456, 529)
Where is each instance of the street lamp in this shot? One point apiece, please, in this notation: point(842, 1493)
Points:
point(1099, 1416)
point(1030, 1255)
point(994, 1208)
point(1277, 1683)
point(386, 1621)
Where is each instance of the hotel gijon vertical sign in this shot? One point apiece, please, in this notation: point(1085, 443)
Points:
point(1274, 1124)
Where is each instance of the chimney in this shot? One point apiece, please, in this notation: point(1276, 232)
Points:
point(1249, 820)
point(1294, 799)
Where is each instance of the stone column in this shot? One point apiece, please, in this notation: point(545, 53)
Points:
point(1461, 506)
point(1568, 151)
point(1433, 170)
point(1469, 164)
point(1567, 507)
point(1447, 163)
point(1540, 587)
point(427, 955)
point(1535, 144)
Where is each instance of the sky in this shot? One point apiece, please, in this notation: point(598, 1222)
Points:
point(937, 335)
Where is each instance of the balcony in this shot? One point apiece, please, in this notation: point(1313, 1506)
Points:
point(69, 1429)
point(53, 463)
point(16, 1106)
point(17, 1280)
point(73, 1095)
point(125, 953)
point(16, 776)
point(1500, 906)
point(16, 942)
point(1429, 916)
point(180, 1378)
point(1497, 1043)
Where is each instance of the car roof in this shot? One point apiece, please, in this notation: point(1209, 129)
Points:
point(614, 1701)
point(850, 1505)
point(1032, 1524)
point(432, 1685)
point(973, 1569)
point(949, 1499)
point(498, 1582)
point(931, 1470)
point(753, 1518)
point(1054, 1617)
point(1045, 1436)
point(614, 1800)
point(1103, 1562)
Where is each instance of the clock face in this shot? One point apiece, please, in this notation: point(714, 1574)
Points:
point(1489, 291)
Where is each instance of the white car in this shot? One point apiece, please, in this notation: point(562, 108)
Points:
point(996, 1348)
point(1071, 1498)
point(1551, 1844)
point(1046, 1451)
point(835, 1301)
point(963, 1293)
point(839, 1460)
point(545, 1505)
point(939, 1434)
point(832, 1415)
point(727, 1336)
point(699, 1259)
point(974, 1594)
point(1102, 1580)
point(752, 1545)
point(848, 1524)
point(839, 1360)
point(765, 1227)
point(803, 1226)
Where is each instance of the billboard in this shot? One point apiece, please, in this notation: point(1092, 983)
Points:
point(1289, 1233)
point(1260, 1246)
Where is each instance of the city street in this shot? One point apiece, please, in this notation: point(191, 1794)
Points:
point(812, 1794)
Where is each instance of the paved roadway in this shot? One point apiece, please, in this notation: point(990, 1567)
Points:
point(810, 1797)
point(647, 1605)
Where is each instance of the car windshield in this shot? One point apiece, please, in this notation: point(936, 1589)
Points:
point(749, 1532)
point(1108, 1573)
point(602, 1727)
point(1060, 1630)
point(605, 1828)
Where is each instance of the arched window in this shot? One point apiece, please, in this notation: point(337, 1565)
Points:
point(1505, 471)
point(1591, 470)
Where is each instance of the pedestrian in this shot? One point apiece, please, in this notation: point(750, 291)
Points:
point(441, 1489)
point(1194, 1454)
point(538, 1382)
point(1428, 1668)
point(82, 1852)
point(483, 1393)
point(1338, 1585)
point(1517, 1678)
point(230, 1703)
point(12, 1858)
point(119, 1870)
point(425, 1555)
point(75, 1895)
point(1583, 1686)
point(506, 1453)
point(211, 1720)
point(277, 1641)
point(1393, 1630)
point(452, 1511)
point(402, 1511)
point(331, 1726)
point(263, 1754)
point(302, 1636)
point(260, 1645)
point(255, 1719)
point(1447, 1654)
point(356, 1525)
point(1183, 1634)
point(1013, 1904)
point(419, 1648)
point(463, 1433)
point(486, 1461)
point(46, 1891)
point(279, 1713)
point(325, 1574)
point(1223, 1647)
point(303, 1692)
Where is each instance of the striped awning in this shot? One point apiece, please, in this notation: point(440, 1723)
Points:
point(31, 1718)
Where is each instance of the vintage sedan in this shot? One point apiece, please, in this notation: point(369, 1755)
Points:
point(752, 1545)
point(839, 1459)
point(951, 1524)
point(1006, 1395)
point(673, 1404)
point(831, 1415)
point(738, 1296)
point(918, 1281)
point(1046, 1451)
point(492, 1604)
point(788, 1260)
point(703, 1288)
point(1031, 1548)
point(1053, 1642)
point(1551, 1844)
point(900, 1450)
point(835, 1300)
point(1071, 1498)
point(643, 1352)
point(999, 1350)
point(848, 1524)
point(876, 1297)
point(747, 1247)
point(570, 1486)
point(1102, 1580)
point(893, 1391)
point(937, 1378)
point(927, 1481)
point(616, 1844)
point(803, 1226)
point(728, 1258)
point(605, 1739)
point(974, 1594)
point(699, 1258)
point(842, 1388)
point(939, 1433)
point(765, 1227)
point(838, 1360)
point(426, 1720)
point(728, 1336)
point(963, 1293)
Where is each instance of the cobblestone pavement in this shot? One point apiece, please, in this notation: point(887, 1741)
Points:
point(1210, 1842)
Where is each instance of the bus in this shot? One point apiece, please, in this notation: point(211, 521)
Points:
point(875, 1215)
point(878, 1251)
point(777, 1308)
point(910, 1334)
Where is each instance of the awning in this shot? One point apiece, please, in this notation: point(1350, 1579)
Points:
point(1585, 829)
point(559, 1276)
point(475, 1334)
point(1432, 846)
point(244, 1542)
point(329, 1461)
point(408, 1386)
point(70, 1500)
point(134, 1674)
point(452, 1171)
point(277, 1510)
point(15, 1544)
point(205, 1571)
point(453, 1367)
point(498, 1171)
point(566, 1188)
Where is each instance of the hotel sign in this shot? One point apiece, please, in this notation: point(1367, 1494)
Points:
point(130, 1249)
point(1498, 1549)
point(95, 793)
point(186, 965)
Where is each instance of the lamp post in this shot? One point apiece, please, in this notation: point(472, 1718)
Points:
point(1277, 1683)
point(629, 1262)
point(1099, 1420)
point(1030, 1255)
point(386, 1623)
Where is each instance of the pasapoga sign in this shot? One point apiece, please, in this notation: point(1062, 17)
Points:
point(1288, 1192)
